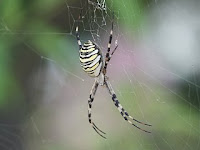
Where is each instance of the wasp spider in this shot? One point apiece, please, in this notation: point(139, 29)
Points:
point(94, 65)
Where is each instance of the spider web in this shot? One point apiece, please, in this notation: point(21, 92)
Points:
point(154, 72)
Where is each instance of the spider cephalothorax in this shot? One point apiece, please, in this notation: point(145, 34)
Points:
point(93, 64)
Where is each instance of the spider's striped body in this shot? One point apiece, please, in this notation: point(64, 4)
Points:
point(91, 59)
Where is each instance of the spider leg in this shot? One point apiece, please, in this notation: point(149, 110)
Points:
point(112, 53)
point(107, 59)
point(125, 112)
point(121, 109)
point(78, 38)
point(90, 100)
point(125, 118)
point(77, 35)
point(97, 131)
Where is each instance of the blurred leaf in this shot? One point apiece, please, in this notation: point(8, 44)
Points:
point(11, 12)
point(131, 12)
point(9, 90)
point(45, 6)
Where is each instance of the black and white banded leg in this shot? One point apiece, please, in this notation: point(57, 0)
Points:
point(122, 111)
point(108, 55)
point(78, 38)
point(90, 100)
point(108, 50)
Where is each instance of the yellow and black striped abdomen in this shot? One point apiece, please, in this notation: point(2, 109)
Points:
point(91, 59)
